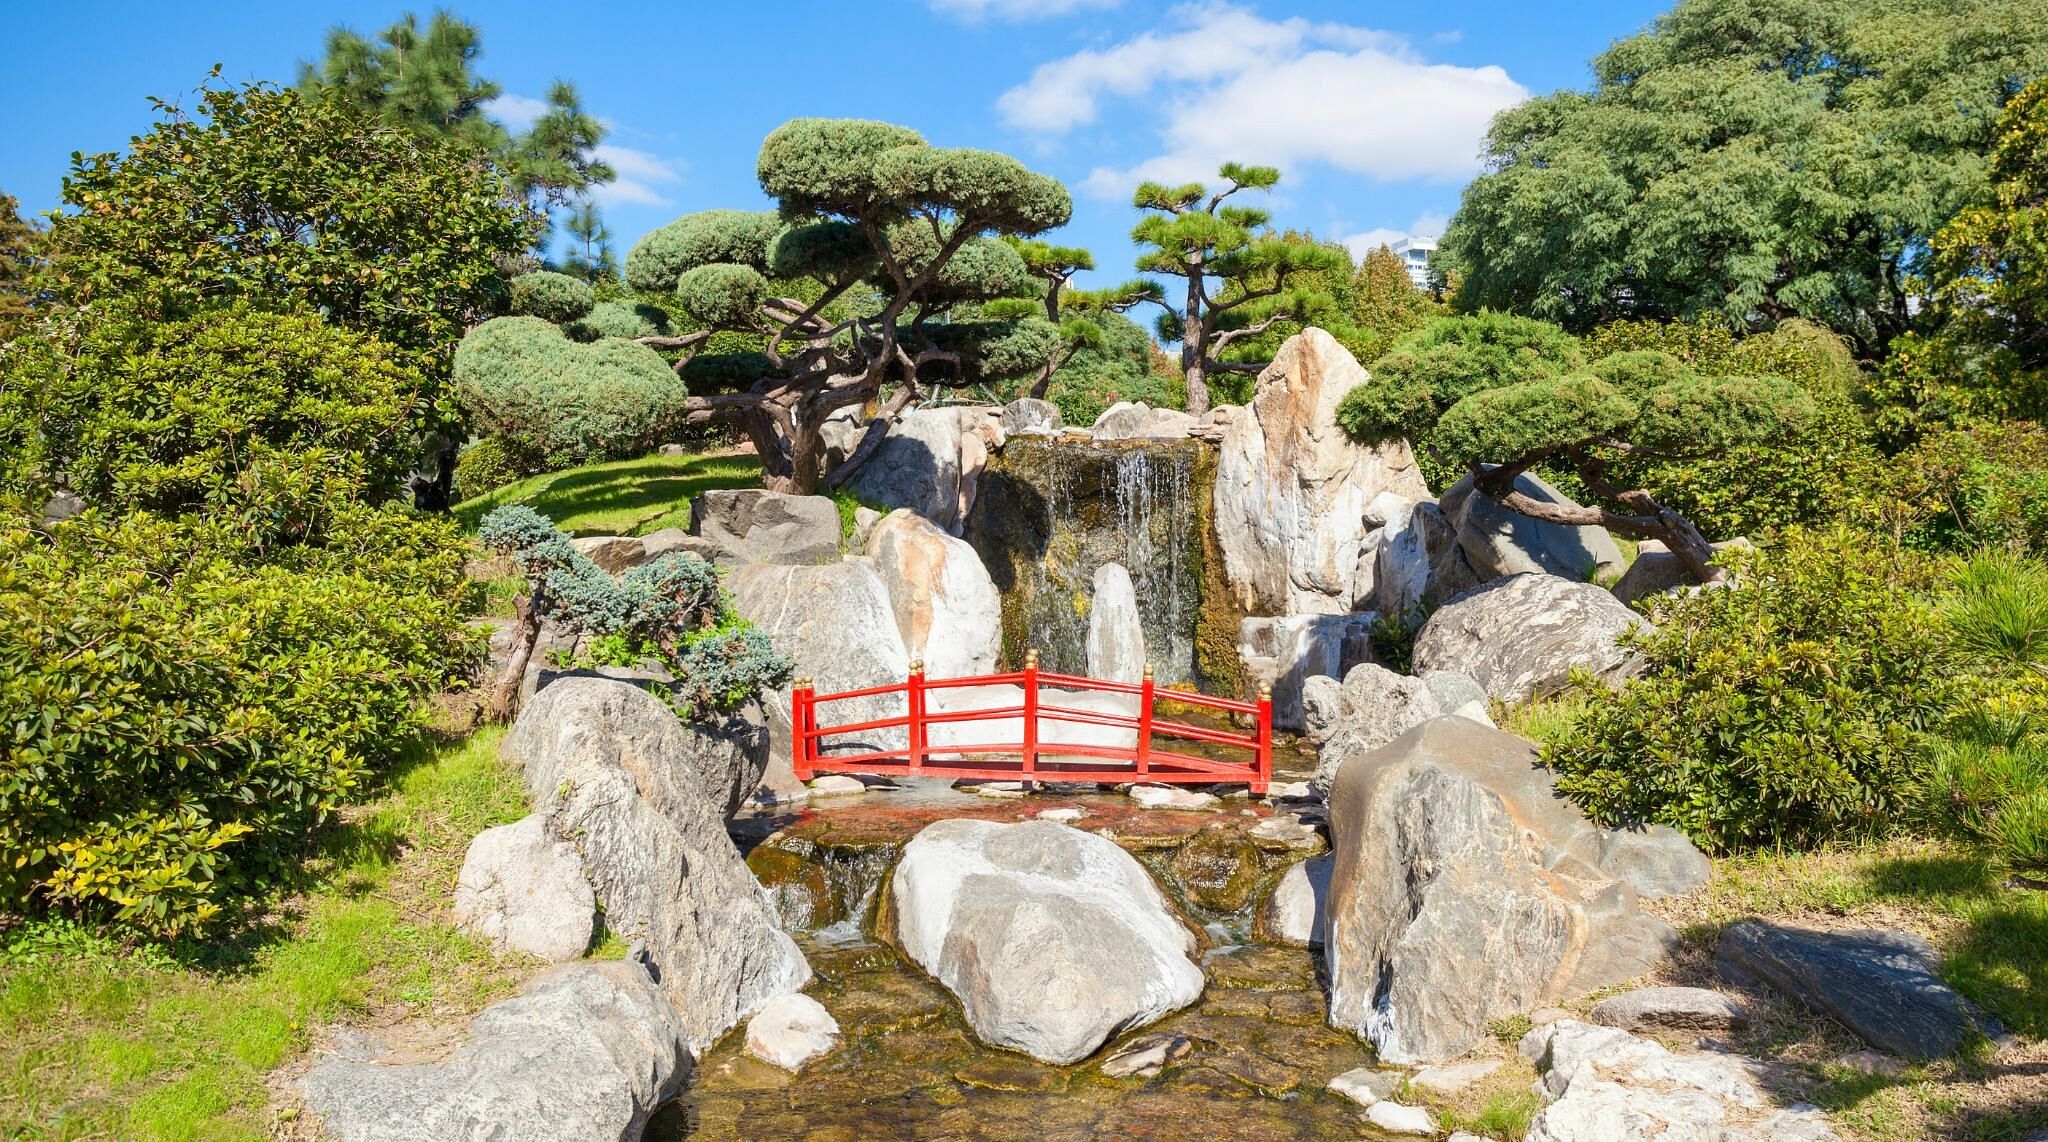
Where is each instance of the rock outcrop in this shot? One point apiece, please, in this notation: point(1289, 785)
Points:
point(640, 795)
point(931, 462)
point(1286, 652)
point(1127, 420)
point(1671, 1009)
point(1880, 984)
point(1292, 488)
point(585, 1051)
point(1493, 541)
point(1051, 938)
point(1606, 1085)
point(946, 607)
point(1521, 637)
point(1465, 891)
point(753, 525)
point(1373, 706)
point(1116, 632)
point(523, 890)
point(1027, 416)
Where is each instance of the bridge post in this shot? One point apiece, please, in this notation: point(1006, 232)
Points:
point(799, 728)
point(914, 692)
point(1145, 725)
point(1264, 755)
point(1030, 713)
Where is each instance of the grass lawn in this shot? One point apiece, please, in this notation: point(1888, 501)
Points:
point(625, 497)
point(100, 1041)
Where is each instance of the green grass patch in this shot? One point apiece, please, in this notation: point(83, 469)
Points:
point(102, 1040)
point(625, 497)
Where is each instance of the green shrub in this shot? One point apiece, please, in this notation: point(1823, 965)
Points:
point(554, 403)
point(1969, 486)
point(484, 465)
point(1116, 367)
point(621, 318)
point(1789, 709)
point(551, 296)
point(175, 723)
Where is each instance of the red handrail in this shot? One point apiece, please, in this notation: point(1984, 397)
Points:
point(1035, 757)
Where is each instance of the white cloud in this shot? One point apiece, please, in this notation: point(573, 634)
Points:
point(1236, 86)
point(640, 173)
point(516, 112)
point(976, 10)
point(1429, 224)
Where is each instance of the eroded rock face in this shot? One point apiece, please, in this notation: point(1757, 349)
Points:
point(1493, 541)
point(523, 890)
point(585, 1051)
point(1286, 652)
point(1521, 637)
point(1116, 632)
point(945, 604)
point(640, 795)
point(1464, 891)
point(754, 525)
point(1051, 938)
point(931, 462)
point(1606, 1085)
point(836, 622)
point(1292, 488)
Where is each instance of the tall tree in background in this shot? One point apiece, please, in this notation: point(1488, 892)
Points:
point(590, 253)
point(1240, 278)
point(18, 241)
point(1384, 299)
point(424, 80)
point(1748, 162)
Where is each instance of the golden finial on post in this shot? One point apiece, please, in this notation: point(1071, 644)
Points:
point(1266, 690)
point(1148, 672)
point(1031, 659)
point(801, 682)
point(917, 666)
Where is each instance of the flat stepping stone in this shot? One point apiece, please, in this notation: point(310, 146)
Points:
point(1673, 1009)
point(1147, 1055)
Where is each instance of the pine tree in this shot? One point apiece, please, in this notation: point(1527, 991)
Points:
point(590, 252)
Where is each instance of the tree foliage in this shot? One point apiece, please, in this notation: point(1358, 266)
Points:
point(1385, 302)
point(1747, 162)
point(550, 296)
point(18, 242)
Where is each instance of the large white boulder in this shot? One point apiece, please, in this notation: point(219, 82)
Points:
point(946, 606)
point(1292, 488)
point(523, 890)
point(1052, 939)
point(931, 462)
point(1465, 891)
point(1116, 633)
point(1606, 1085)
point(639, 794)
point(1521, 637)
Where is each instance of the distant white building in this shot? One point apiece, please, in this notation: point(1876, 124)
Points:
point(1414, 254)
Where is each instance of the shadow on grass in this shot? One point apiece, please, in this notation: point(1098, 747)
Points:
point(1998, 957)
point(620, 496)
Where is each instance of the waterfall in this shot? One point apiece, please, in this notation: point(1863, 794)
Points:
point(1051, 511)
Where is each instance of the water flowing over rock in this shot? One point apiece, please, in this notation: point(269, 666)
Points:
point(523, 890)
point(1493, 541)
point(1286, 652)
point(1880, 984)
point(1053, 511)
point(931, 462)
point(1116, 632)
point(1606, 1085)
point(1292, 489)
point(1465, 891)
point(1051, 938)
point(1521, 637)
point(641, 796)
point(753, 525)
point(945, 604)
point(586, 1051)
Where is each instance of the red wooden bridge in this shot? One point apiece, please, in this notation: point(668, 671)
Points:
point(1041, 727)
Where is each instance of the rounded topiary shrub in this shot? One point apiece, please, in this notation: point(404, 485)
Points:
point(627, 319)
point(551, 296)
point(561, 403)
point(484, 465)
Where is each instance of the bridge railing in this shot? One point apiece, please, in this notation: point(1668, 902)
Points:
point(1053, 739)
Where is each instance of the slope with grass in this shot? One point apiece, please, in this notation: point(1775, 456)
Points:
point(625, 497)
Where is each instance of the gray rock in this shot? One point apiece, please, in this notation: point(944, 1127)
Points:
point(586, 1051)
point(1374, 706)
point(1292, 488)
point(1321, 698)
point(523, 890)
point(1606, 1085)
point(1365, 1086)
point(1116, 633)
point(1450, 1078)
point(1464, 892)
point(1146, 1056)
point(1671, 1008)
point(836, 621)
point(62, 505)
point(1051, 938)
point(656, 544)
point(1029, 417)
point(1295, 913)
point(1452, 689)
point(864, 520)
point(1658, 572)
point(1522, 636)
point(643, 797)
point(1394, 571)
point(945, 604)
point(753, 525)
point(1495, 541)
point(1655, 860)
point(1878, 983)
point(931, 462)
point(1286, 652)
point(613, 553)
point(791, 1031)
point(1121, 421)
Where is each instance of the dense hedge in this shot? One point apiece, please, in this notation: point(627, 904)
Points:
point(557, 403)
point(551, 296)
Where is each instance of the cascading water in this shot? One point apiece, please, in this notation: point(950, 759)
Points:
point(1051, 511)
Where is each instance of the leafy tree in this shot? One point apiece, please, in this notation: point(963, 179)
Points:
point(1748, 162)
point(551, 296)
point(1988, 273)
point(1385, 302)
point(1240, 278)
point(1496, 395)
point(906, 233)
point(18, 242)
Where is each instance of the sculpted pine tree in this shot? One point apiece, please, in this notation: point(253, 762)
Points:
point(1241, 278)
point(904, 235)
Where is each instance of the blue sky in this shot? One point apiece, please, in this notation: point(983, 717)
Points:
point(1374, 111)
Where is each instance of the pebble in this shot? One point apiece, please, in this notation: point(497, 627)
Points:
point(1167, 797)
point(1146, 1056)
point(1872, 1063)
point(1000, 789)
point(1394, 1118)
